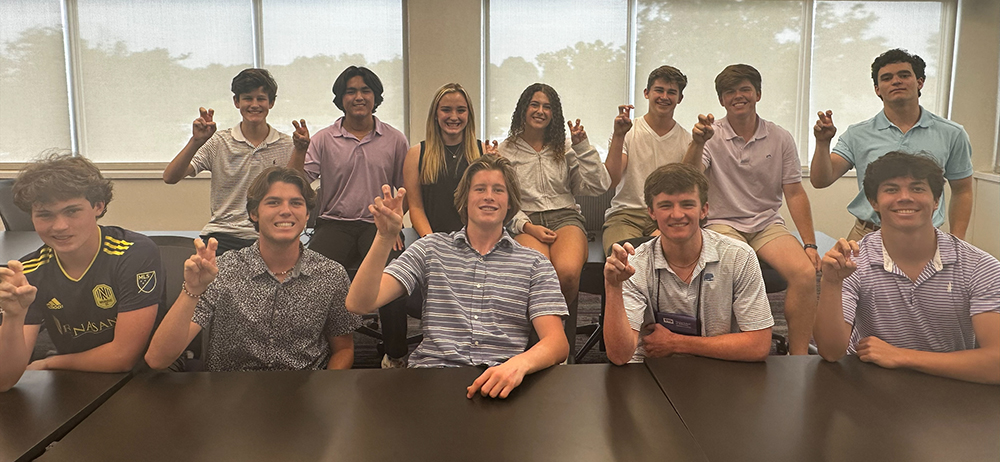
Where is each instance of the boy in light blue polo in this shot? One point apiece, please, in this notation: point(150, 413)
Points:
point(902, 125)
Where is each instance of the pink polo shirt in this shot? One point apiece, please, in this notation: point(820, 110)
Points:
point(352, 171)
point(745, 177)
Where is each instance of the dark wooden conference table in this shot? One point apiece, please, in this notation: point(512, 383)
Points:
point(44, 405)
point(594, 412)
point(805, 409)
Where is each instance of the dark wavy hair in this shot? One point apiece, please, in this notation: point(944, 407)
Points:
point(59, 176)
point(898, 55)
point(555, 133)
point(258, 189)
point(372, 80)
point(897, 164)
point(251, 79)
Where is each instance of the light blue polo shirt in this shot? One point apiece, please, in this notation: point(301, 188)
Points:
point(945, 141)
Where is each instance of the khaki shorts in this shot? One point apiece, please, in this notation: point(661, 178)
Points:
point(756, 240)
point(626, 224)
point(860, 230)
point(555, 219)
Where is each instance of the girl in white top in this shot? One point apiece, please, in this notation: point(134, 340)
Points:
point(551, 174)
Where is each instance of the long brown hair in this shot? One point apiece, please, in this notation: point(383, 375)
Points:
point(555, 133)
point(434, 162)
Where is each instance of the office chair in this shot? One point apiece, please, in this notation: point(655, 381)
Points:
point(174, 251)
point(14, 219)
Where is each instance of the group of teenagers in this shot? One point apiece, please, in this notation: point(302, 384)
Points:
point(502, 241)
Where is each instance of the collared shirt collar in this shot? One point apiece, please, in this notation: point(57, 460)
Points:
point(944, 253)
point(882, 122)
point(272, 135)
point(709, 253)
point(461, 238)
point(729, 134)
point(343, 133)
point(257, 266)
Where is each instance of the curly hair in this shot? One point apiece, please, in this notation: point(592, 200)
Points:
point(555, 133)
point(251, 79)
point(897, 55)
point(59, 176)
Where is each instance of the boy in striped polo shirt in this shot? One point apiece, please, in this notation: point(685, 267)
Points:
point(236, 156)
point(910, 295)
point(483, 291)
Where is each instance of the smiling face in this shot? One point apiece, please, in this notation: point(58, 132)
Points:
point(359, 99)
point(254, 105)
point(740, 100)
point(678, 216)
point(282, 214)
point(663, 97)
point(452, 117)
point(904, 203)
point(68, 226)
point(488, 200)
point(538, 116)
point(897, 83)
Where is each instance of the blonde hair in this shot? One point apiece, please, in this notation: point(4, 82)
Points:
point(434, 163)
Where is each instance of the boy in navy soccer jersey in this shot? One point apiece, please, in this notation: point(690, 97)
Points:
point(96, 288)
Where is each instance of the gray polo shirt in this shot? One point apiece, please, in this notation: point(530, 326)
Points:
point(733, 298)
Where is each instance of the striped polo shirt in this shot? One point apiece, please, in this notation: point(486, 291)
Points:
point(932, 314)
point(477, 308)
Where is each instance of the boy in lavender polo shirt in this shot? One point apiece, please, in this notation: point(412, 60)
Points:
point(353, 158)
point(910, 295)
point(750, 163)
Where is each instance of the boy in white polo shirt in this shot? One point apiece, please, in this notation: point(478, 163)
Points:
point(637, 149)
point(910, 295)
point(236, 156)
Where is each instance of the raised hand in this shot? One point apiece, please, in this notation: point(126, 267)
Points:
point(576, 132)
point(203, 127)
point(16, 294)
point(491, 148)
point(824, 128)
point(703, 130)
point(543, 234)
point(838, 263)
point(617, 269)
point(388, 212)
point(623, 123)
point(301, 135)
point(200, 269)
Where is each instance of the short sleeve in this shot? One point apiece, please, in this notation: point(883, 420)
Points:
point(410, 268)
point(850, 295)
point(750, 305)
point(339, 321)
point(636, 303)
point(790, 162)
point(544, 295)
point(843, 147)
point(314, 156)
point(140, 276)
point(959, 164)
point(984, 288)
point(202, 159)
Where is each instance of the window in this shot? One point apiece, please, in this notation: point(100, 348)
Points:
point(812, 55)
point(142, 76)
point(34, 109)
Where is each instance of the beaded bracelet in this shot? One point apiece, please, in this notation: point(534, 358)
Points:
point(189, 294)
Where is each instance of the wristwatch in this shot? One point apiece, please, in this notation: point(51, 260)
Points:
point(810, 246)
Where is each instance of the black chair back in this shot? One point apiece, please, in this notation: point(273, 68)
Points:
point(14, 219)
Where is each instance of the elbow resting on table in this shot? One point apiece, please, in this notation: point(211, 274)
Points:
point(830, 355)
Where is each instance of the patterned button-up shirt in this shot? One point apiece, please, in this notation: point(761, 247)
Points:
point(255, 322)
point(477, 308)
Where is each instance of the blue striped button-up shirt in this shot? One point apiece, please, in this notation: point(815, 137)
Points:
point(477, 308)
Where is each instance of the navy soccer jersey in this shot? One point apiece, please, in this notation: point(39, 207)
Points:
point(81, 314)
